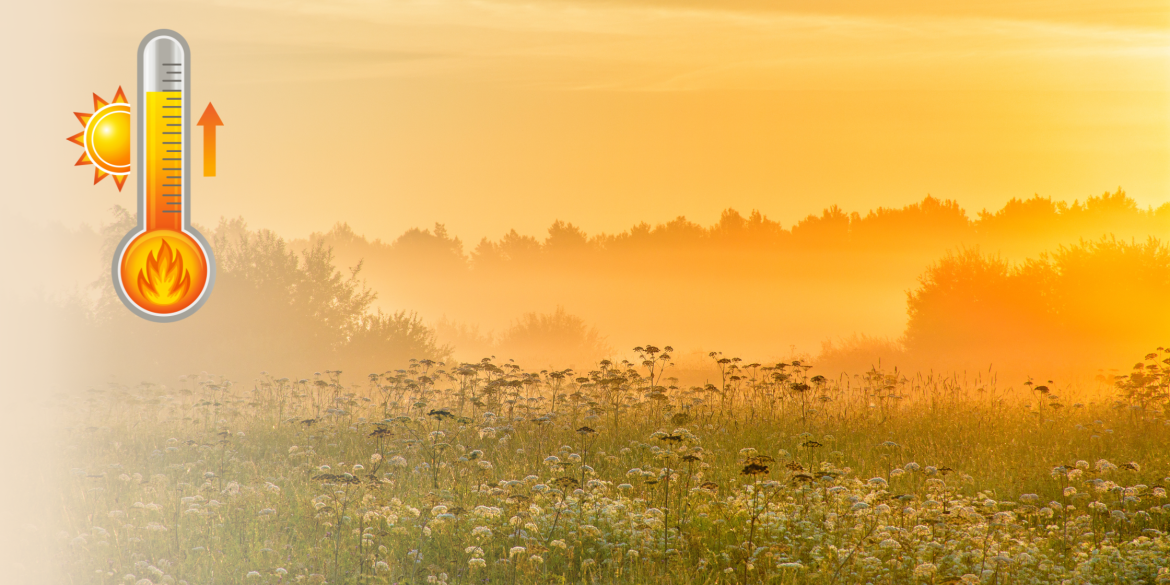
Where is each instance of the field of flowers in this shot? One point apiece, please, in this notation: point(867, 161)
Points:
point(485, 472)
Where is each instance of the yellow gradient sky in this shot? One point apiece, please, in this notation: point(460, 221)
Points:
point(493, 114)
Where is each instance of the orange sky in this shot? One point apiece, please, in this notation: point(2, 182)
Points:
point(494, 114)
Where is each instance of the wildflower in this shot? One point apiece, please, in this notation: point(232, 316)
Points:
point(477, 563)
point(754, 469)
point(566, 483)
point(487, 512)
point(381, 567)
point(516, 550)
point(253, 575)
point(925, 570)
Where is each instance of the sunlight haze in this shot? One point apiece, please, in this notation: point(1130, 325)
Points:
point(488, 116)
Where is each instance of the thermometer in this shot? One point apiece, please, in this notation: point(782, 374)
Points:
point(163, 269)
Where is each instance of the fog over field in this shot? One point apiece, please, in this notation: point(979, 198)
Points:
point(1031, 289)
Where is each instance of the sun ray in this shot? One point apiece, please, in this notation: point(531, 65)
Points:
point(84, 160)
point(78, 139)
point(120, 180)
point(99, 103)
point(83, 117)
point(120, 97)
point(98, 175)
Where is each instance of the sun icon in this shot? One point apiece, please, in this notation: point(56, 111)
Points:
point(106, 138)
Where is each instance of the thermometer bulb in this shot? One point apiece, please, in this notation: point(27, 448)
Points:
point(164, 271)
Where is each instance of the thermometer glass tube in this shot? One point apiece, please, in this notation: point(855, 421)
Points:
point(164, 269)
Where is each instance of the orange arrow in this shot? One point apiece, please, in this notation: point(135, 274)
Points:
point(209, 120)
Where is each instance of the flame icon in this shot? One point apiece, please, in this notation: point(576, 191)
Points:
point(164, 281)
point(163, 271)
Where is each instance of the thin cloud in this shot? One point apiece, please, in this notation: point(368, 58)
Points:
point(602, 46)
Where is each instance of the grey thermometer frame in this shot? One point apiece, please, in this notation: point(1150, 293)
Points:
point(186, 182)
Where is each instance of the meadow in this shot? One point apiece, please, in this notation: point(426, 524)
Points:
point(485, 472)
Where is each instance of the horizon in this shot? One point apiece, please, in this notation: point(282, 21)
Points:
point(786, 224)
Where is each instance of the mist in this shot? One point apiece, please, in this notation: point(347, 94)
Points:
point(1035, 288)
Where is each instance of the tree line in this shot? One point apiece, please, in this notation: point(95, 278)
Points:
point(1021, 227)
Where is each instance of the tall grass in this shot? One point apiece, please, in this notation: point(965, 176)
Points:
point(484, 472)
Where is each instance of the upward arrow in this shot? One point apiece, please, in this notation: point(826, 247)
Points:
point(209, 120)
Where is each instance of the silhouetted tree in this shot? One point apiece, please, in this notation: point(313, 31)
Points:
point(1100, 299)
point(271, 308)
